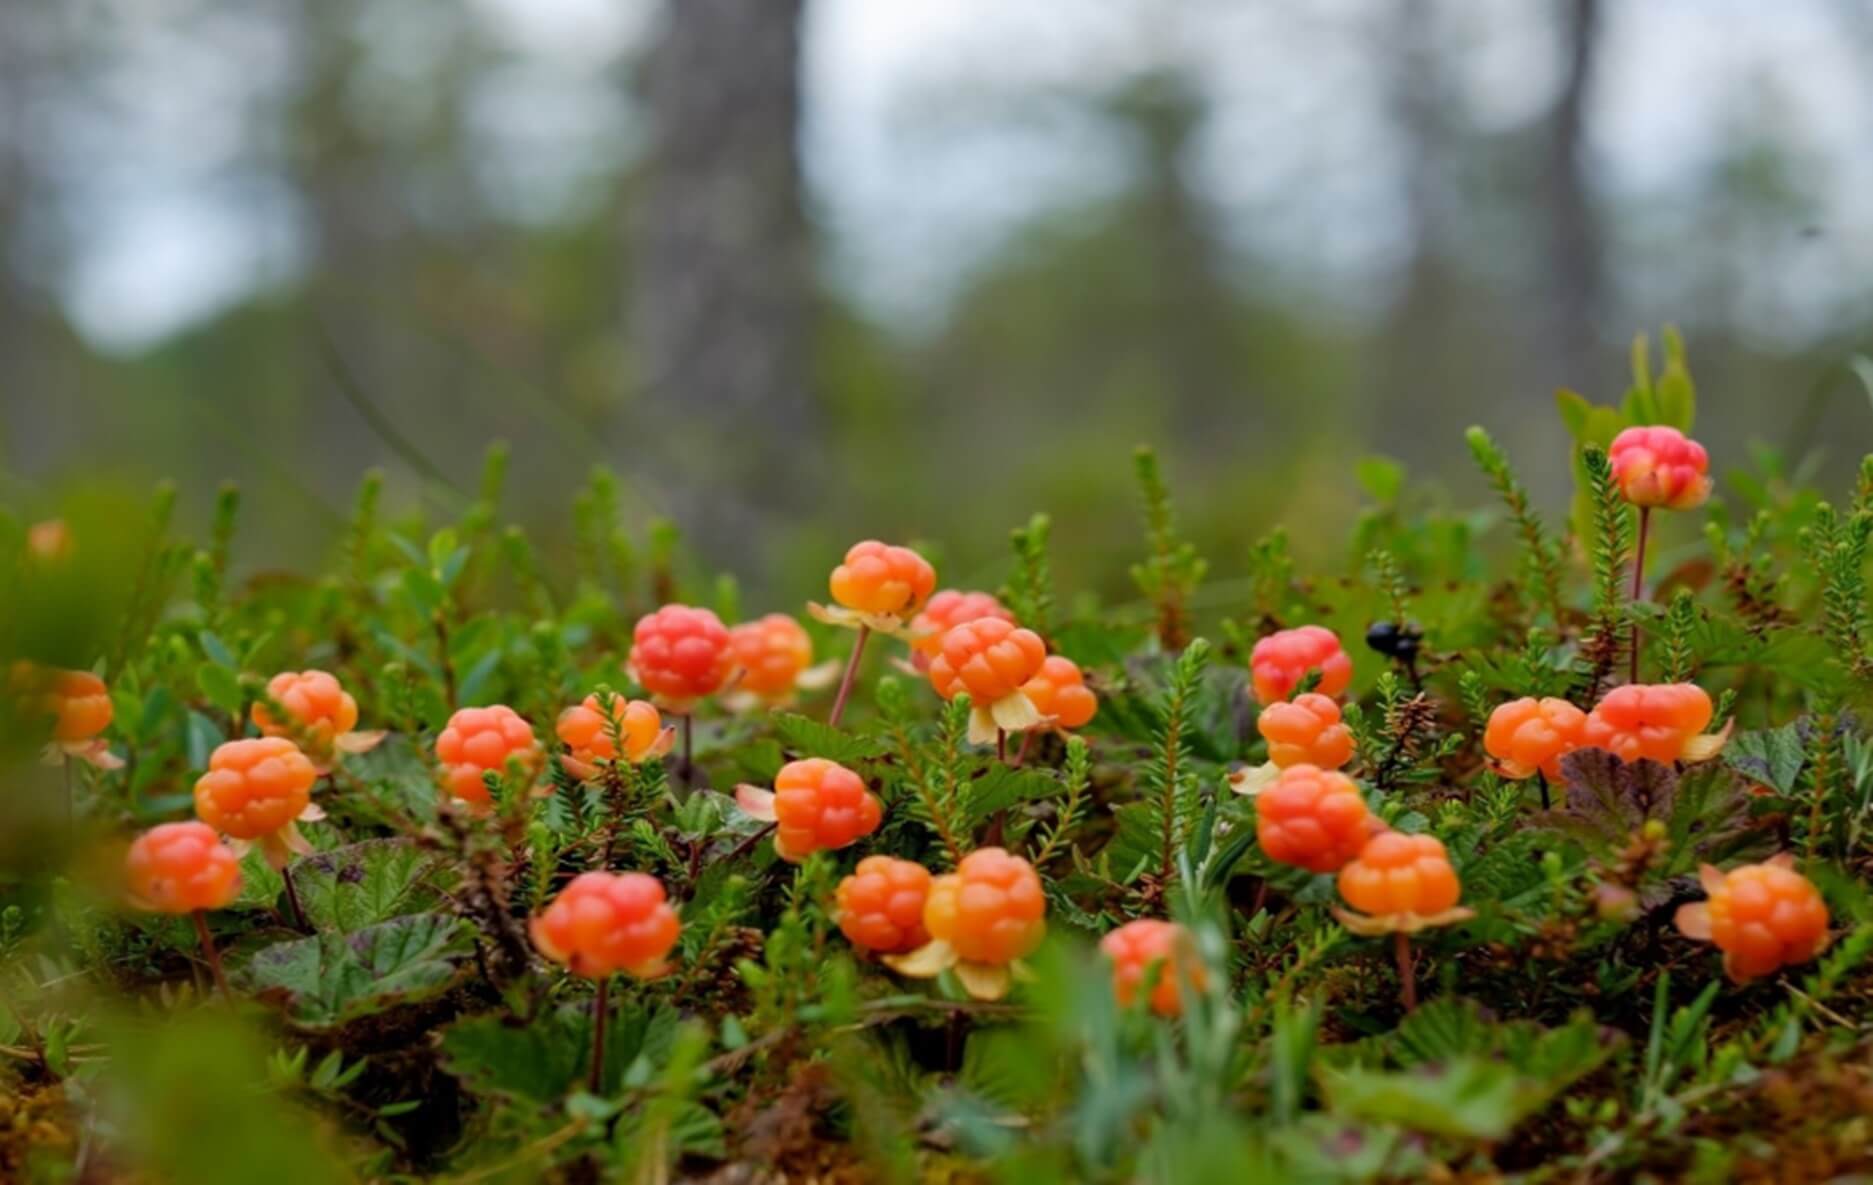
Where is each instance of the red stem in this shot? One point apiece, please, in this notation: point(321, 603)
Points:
point(1027, 742)
point(851, 676)
point(213, 956)
point(292, 898)
point(1638, 587)
point(600, 1007)
point(1407, 977)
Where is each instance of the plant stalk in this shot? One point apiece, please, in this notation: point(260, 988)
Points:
point(601, 1008)
point(292, 897)
point(1638, 587)
point(851, 676)
point(1407, 976)
point(212, 955)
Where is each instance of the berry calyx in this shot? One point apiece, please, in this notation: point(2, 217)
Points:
point(180, 868)
point(991, 659)
point(1761, 916)
point(1305, 731)
point(604, 922)
point(257, 789)
point(587, 729)
point(946, 610)
point(882, 580)
point(880, 906)
point(321, 709)
point(680, 654)
point(1312, 818)
point(1400, 883)
point(479, 741)
point(1653, 721)
point(1146, 947)
point(1658, 466)
point(1529, 736)
point(1059, 693)
point(1280, 661)
point(816, 805)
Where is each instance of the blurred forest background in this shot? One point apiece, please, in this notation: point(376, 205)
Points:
point(806, 270)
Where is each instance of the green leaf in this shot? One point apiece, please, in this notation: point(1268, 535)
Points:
point(1465, 1098)
point(548, 1057)
point(1002, 787)
point(220, 686)
point(1575, 411)
point(1772, 756)
point(329, 978)
point(217, 650)
point(1380, 477)
point(810, 738)
point(361, 884)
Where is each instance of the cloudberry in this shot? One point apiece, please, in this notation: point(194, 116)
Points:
point(1280, 661)
point(1312, 818)
point(1660, 466)
point(1137, 947)
point(320, 707)
point(1397, 874)
point(605, 922)
point(1529, 735)
point(586, 729)
point(255, 789)
point(948, 609)
point(80, 703)
point(1306, 731)
point(880, 906)
point(1647, 720)
point(49, 540)
point(773, 659)
point(990, 910)
point(680, 654)
point(1761, 916)
point(180, 868)
point(820, 805)
point(991, 660)
point(882, 581)
point(1059, 693)
point(480, 741)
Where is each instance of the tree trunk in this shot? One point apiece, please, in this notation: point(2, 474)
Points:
point(1575, 271)
point(721, 307)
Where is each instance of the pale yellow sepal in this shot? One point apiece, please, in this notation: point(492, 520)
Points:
point(984, 981)
point(1368, 926)
point(1707, 746)
point(851, 619)
point(928, 961)
point(1251, 780)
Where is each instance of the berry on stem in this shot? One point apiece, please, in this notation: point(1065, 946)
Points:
point(602, 923)
point(878, 587)
point(946, 610)
point(1147, 947)
point(991, 660)
point(773, 661)
point(982, 918)
point(1401, 884)
point(76, 706)
point(1059, 693)
point(1663, 722)
point(1530, 736)
point(478, 741)
point(880, 906)
point(258, 790)
point(179, 868)
point(1313, 818)
point(587, 730)
point(1280, 661)
point(324, 716)
point(1657, 466)
point(680, 654)
point(1305, 731)
point(816, 805)
point(1763, 917)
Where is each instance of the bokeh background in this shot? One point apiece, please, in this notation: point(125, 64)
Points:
point(805, 270)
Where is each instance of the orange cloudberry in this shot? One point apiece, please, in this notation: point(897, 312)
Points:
point(946, 610)
point(324, 716)
point(1059, 693)
point(1654, 721)
point(816, 805)
point(982, 917)
point(680, 654)
point(479, 741)
point(1761, 916)
point(49, 540)
point(1280, 661)
point(1659, 466)
point(774, 660)
point(180, 868)
point(1305, 731)
point(74, 706)
point(605, 922)
point(880, 906)
point(990, 659)
point(883, 581)
point(1401, 882)
point(587, 728)
point(1530, 735)
point(257, 789)
point(1312, 818)
point(1136, 948)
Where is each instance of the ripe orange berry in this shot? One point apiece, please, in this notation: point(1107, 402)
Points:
point(1647, 720)
point(1306, 731)
point(255, 788)
point(1528, 734)
point(820, 805)
point(180, 868)
point(1659, 466)
point(1312, 818)
point(317, 702)
point(1400, 874)
point(80, 705)
point(878, 578)
point(989, 658)
point(771, 653)
point(880, 906)
point(49, 540)
point(479, 741)
point(948, 609)
point(1281, 660)
point(680, 654)
point(1060, 693)
point(1136, 947)
point(1761, 916)
point(990, 910)
point(586, 729)
point(606, 922)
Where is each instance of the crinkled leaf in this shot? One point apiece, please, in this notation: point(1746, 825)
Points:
point(364, 883)
point(810, 738)
point(1772, 756)
point(330, 978)
point(548, 1057)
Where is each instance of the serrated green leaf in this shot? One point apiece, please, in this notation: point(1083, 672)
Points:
point(548, 1057)
point(810, 738)
point(330, 978)
point(362, 884)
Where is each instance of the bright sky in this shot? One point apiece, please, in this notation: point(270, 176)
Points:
point(931, 132)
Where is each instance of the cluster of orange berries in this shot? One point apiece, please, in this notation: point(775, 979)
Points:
point(1659, 722)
